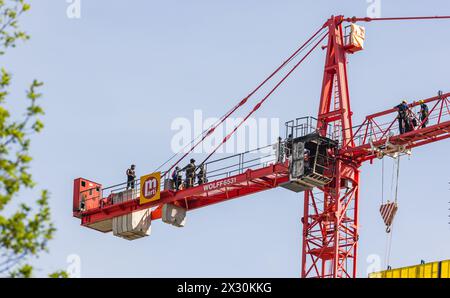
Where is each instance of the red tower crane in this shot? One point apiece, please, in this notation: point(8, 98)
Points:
point(320, 157)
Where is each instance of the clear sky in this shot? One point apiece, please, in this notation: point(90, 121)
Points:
point(117, 78)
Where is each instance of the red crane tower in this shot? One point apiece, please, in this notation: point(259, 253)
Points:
point(320, 157)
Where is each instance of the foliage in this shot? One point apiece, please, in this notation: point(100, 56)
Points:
point(24, 232)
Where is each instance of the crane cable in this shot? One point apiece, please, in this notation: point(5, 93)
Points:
point(352, 19)
point(190, 144)
point(209, 131)
point(382, 181)
point(367, 19)
point(261, 102)
point(395, 176)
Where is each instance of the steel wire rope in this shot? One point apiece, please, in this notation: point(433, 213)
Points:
point(388, 248)
point(209, 131)
point(261, 102)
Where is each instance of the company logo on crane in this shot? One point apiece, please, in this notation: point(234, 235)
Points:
point(150, 188)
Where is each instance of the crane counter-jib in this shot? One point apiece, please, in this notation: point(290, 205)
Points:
point(249, 182)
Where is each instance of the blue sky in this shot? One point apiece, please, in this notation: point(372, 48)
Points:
point(116, 78)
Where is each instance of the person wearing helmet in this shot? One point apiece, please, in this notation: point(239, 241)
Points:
point(403, 123)
point(190, 173)
point(423, 113)
point(131, 176)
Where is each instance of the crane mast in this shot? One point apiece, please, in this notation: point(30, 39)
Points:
point(330, 220)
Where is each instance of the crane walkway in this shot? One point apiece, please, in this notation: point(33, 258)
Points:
point(268, 167)
point(379, 134)
point(226, 178)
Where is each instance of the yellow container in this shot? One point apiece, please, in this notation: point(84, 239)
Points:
point(445, 269)
point(429, 270)
point(377, 275)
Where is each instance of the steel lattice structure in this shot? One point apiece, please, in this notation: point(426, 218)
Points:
point(330, 220)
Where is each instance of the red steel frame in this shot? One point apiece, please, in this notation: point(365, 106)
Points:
point(330, 220)
point(249, 182)
point(378, 127)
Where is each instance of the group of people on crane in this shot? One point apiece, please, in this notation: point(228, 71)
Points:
point(176, 177)
point(406, 119)
point(190, 175)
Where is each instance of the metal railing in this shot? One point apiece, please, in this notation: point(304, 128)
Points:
point(118, 193)
point(380, 126)
point(303, 126)
point(214, 170)
point(300, 127)
point(375, 127)
point(239, 163)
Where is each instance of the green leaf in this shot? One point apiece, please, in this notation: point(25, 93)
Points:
point(27, 228)
point(26, 7)
point(59, 274)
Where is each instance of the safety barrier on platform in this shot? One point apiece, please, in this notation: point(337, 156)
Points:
point(303, 126)
point(382, 125)
point(239, 163)
point(114, 194)
point(378, 126)
point(214, 170)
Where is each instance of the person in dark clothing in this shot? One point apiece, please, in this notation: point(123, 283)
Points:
point(423, 114)
point(201, 175)
point(414, 123)
point(131, 176)
point(307, 161)
point(402, 116)
point(177, 179)
point(190, 173)
point(83, 203)
point(281, 150)
point(288, 146)
point(409, 121)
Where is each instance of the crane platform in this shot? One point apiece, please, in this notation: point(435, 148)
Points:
point(250, 172)
point(379, 134)
point(236, 180)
